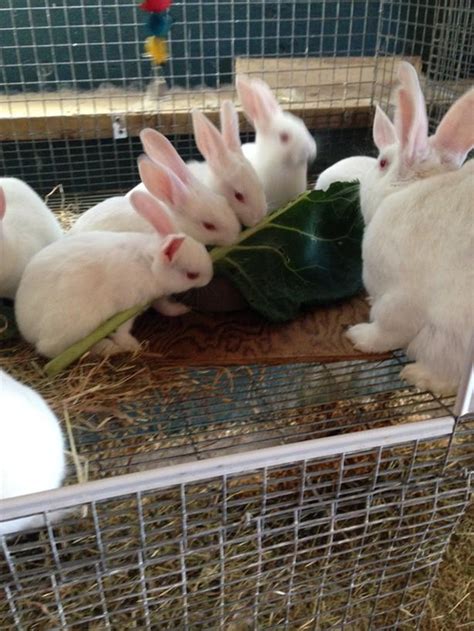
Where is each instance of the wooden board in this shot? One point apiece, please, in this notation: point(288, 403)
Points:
point(325, 93)
point(243, 337)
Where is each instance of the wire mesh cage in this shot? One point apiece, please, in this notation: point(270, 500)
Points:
point(331, 540)
point(303, 496)
point(326, 502)
point(77, 89)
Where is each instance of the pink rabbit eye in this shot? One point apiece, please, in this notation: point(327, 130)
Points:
point(192, 275)
point(209, 226)
point(383, 163)
point(284, 137)
point(239, 197)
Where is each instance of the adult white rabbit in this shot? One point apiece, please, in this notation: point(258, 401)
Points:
point(31, 448)
point(72, 286)
point(418, 248)
point(26, 226)
point(346, 170)
point(226, 170)
point(444, 151)
point(196, 210)
point(283, 145)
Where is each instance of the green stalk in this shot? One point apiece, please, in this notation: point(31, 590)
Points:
point(74, 352)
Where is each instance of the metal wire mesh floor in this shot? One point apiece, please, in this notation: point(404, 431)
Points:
point(195, 414)
point(348, 541)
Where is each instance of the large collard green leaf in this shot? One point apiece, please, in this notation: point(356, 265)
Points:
point(308, 253)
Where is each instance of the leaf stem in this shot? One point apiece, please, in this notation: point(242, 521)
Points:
point(67, 357)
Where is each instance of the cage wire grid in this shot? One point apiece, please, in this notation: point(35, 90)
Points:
point(70, 70)
point(348, 536)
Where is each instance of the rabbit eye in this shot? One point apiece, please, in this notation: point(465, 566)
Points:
point(209, 226)
point(284, 137)
point(383, 163)
point(239, 197)
point(192, 275)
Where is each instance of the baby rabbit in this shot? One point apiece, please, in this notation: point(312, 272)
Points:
point(196, 210)
point(346, 170)
point(419, 243)
point(73, 285)
point(226, 170)
point(283, 146)
point(446, 150)
point(31, 448)
point(26, 226)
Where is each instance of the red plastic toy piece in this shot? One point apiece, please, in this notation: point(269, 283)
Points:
point(155, 6)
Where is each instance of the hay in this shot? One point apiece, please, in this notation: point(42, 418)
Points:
point(93, 395)
point(451, 601)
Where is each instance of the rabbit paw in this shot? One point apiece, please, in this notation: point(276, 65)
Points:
point(105, 348)
point(127, 343)
point(168, 307)
point(368, 338)
point(417, 375)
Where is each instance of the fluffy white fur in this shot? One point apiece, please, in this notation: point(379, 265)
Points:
point(26, 226)
point(195, 209)
point(283, 146)
point(73, 285)
point(226, 170)
point(347, 170)
point(31, 447)
point(418, 247)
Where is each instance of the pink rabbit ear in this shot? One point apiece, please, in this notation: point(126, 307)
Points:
point(230, 126)
point(159, 149)
point(258, 101)
point(153, 211)
point(454, 137)
point(209, 141)
point(411, 121)
point(171, 246)
point(3, 203)
point(383, 130)
point(163, 183)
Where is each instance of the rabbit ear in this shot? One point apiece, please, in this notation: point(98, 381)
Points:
point(230, 126)
point(411, 121)
point(163, 183)
point(3, 203)
point(454, 137)
point(171, 246)
point(258, 101)
point(153, 211)
point(209, 141)
point(159, 149)
point(383, 130)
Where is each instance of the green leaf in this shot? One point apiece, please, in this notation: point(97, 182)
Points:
point(308, 253)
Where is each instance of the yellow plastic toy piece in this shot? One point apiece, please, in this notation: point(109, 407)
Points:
point(157, 49)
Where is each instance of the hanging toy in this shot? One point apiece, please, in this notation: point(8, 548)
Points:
point(159, 24)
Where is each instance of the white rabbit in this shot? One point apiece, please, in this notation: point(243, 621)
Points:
point(346, 170)
point(73, 285)
point(31, 448)
point(418, 247)
point(26, 226)
point(196, 210)
point(226, 170)
point(444, 151)
point(283, 146)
